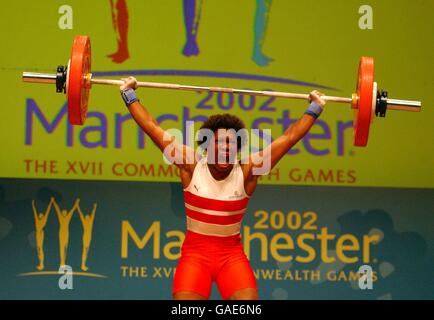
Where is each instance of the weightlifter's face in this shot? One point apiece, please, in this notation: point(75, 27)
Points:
point(224, 146)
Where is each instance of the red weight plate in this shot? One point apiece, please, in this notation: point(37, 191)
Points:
point(78, 83)
point(363, 112)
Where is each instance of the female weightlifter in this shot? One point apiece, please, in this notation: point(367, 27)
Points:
point(216, 194)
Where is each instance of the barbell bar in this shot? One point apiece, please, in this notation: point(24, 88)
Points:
point(75, 80)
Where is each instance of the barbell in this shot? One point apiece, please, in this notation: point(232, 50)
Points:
point(75, 80)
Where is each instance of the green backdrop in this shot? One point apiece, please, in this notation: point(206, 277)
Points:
point(386, 187)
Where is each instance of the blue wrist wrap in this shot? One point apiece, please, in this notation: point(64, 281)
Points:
point(129, 96)
point(314, 110)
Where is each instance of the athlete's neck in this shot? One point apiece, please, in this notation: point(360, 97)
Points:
point(218, 172)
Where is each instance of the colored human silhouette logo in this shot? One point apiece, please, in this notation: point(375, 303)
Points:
point(40, 222)
point(64, 217)
point(120, 24)
point(192, 11)
point(87, 223)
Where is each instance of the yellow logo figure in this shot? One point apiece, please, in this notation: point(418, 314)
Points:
point(64, 220)
point(64, 217)
point(87, 222)
point(40, 222)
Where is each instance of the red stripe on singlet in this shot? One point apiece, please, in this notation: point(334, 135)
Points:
point(213, 204)
point(208, 218)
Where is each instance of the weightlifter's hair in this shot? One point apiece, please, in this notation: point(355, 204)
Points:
point(225, 121)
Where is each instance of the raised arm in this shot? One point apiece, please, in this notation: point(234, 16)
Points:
point(93, 211)
point(279, 147)
point(80, 213)
point(56, 208)
point(182, 155)
point(47, 212)
point(35, 211)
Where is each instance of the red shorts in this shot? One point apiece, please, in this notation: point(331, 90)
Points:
point(205, 259)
